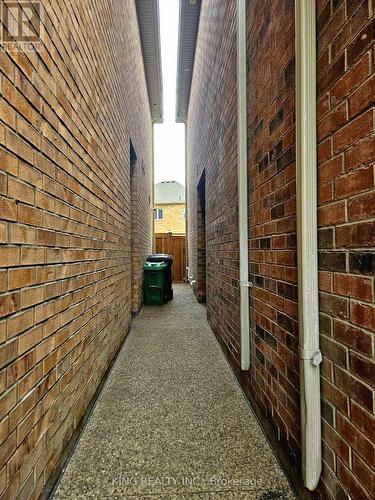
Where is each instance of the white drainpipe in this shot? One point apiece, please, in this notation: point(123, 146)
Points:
point(186, 210)
point(308, 304)
point(242, 183)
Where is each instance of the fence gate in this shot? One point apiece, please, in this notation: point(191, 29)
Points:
point(173, 245)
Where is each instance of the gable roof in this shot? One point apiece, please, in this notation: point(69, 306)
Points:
point(149, 30)
point(169, 192)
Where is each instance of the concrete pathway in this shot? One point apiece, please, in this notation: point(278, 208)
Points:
point(172, 422)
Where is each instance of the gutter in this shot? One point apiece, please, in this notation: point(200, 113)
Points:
point(149, 32)
point(307, 245)
point(187, 40)
point(242, 184)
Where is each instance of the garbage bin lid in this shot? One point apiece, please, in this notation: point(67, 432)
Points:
point(154, 266)
point(158, 257)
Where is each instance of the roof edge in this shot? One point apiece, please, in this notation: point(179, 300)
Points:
point(149, 31)
point(187, 40)
point(169, 203)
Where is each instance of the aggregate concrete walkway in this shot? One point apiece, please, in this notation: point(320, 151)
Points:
point(172, 422)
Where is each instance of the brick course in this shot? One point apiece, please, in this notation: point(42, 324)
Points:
point(67, 115)
point(345, 129)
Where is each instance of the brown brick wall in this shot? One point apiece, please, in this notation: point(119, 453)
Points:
point(211, 144)
point(67, 115)
point(346, 218)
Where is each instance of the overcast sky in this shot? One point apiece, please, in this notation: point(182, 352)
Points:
point(169, 136)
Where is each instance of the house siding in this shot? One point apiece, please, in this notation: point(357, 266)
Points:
point(68, 113)
point(345, 113)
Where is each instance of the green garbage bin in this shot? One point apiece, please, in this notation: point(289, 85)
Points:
point(154, 283)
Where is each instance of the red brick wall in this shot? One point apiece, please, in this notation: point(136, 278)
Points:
point(67, 115)
point(274, 378)
point(346, 218)
point(346, 153)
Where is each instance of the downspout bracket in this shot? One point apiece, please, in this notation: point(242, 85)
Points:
point(315, 357)
point(249, 284)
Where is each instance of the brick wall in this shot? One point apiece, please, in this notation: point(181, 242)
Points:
point(201, 264)
point(211, 149)
point(346, 154)
point(274, 378)
point(345, 31)
point(68, 113)
point(173, 218)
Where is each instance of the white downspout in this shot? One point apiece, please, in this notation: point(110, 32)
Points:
point(242, 183)
point(307, 246)
point(186, 210)
point(153, 190)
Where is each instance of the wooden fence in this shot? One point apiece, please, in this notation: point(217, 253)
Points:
point(173, 245)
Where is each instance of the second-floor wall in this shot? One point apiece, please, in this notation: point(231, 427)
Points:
point(170, 218)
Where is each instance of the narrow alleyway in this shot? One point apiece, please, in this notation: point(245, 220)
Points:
point(172, 421)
